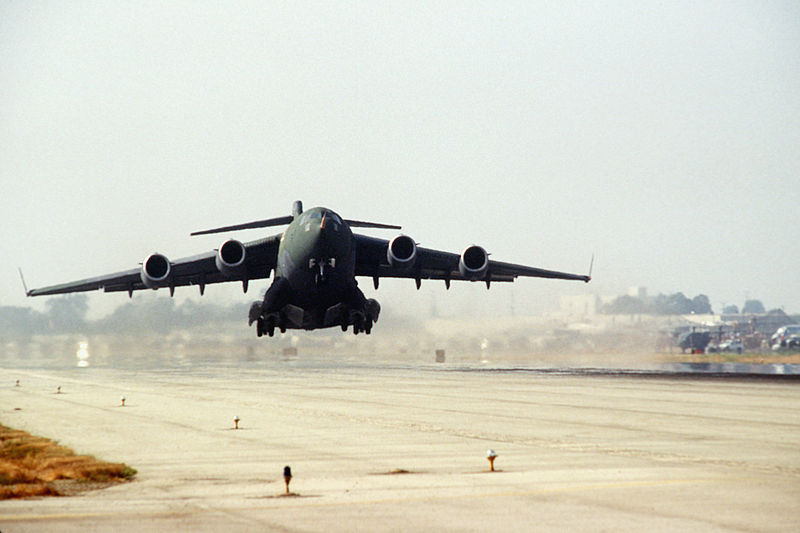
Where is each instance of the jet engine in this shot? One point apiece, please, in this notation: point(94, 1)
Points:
point(474, 263)
point(155, 271)
point(402, 252)
point(230, 258)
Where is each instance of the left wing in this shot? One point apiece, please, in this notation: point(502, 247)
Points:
point(259, 259)
point(373, 259)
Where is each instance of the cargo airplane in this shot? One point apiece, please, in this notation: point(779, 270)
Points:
point(316, 261)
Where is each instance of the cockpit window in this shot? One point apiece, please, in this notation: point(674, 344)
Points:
point(318, 215)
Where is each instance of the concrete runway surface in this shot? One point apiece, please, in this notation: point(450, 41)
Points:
point(382, 447)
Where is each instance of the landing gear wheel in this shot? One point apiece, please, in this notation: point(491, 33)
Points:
point(254, 314)
point(358, 324)
point(260, 327)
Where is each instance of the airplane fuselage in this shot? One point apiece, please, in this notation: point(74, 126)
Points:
point(315, 283)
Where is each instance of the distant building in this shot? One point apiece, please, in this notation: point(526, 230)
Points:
point(638, 292)
point(766, 323)
point(580, 305)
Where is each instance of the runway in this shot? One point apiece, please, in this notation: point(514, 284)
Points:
point(389, 447)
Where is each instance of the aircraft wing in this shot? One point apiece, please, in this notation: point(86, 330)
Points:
point(201, 270)
point(372, 261)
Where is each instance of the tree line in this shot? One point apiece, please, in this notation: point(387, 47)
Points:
point(68, 314)
point(156, 314)
point(674, 304)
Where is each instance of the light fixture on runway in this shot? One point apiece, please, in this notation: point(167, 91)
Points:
point(287, 477)
point(491, 455)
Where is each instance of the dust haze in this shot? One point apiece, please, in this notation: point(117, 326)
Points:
point(151, 330)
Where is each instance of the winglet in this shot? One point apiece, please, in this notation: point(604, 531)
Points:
point(591, 264)
point(24, 285)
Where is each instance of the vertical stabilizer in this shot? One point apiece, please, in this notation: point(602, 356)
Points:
point(297, 208)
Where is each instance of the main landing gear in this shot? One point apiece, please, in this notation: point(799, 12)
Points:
point(277, 312)
point(265, 325)
point(362, 321)
point(266, 314)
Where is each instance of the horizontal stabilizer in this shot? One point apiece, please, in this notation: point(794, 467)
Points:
point(360, 224)
point(280, 221)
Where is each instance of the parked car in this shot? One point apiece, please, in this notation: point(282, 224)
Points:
point(729, 345)
point(732, 345)
point(786, 338)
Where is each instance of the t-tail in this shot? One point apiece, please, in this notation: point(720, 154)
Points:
point(297, 210)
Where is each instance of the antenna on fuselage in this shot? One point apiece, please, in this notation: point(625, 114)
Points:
point(297, 208)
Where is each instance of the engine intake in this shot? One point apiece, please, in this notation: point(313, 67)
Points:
point(155, 271)
point(230, 258)
point(474, 263)
point(402, 252)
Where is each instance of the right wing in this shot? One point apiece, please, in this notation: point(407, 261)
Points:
point(260, 259)
point(441, 265)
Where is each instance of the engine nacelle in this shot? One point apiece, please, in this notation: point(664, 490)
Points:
point(230, 258)
point(474, 263)
point(402, 252)
point(155, 271)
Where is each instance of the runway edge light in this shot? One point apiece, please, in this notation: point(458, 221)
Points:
point(491, 455)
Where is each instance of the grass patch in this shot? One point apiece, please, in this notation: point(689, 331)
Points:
point(35, 466)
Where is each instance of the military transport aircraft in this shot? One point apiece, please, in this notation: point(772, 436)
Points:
point(316, 261)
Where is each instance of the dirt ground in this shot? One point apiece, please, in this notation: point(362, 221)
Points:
point(391, 447)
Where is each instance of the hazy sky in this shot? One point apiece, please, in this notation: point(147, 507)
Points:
point(662, 137)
